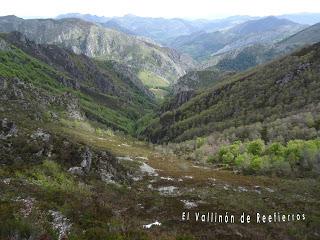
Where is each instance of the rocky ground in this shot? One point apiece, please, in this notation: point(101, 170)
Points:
point(117, 186)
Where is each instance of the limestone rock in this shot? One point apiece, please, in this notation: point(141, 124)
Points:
point(7, 129)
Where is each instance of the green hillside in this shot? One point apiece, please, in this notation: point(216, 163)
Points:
point(264, 101)
point(102, 94)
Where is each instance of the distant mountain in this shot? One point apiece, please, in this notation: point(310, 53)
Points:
point(86, 17)
point(309, 36)
point(201, 45)
point(303, 18)
point(223, 23)
point(161, 29)
point(262, 25)
point(116, 26)
point(243, 58)
point(101, 43)
point(265, 30)
point(278, 95)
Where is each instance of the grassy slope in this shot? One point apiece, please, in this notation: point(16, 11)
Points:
point(151, 80)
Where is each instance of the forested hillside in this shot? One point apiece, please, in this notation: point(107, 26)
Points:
point(266, 101)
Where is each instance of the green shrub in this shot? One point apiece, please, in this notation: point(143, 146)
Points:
point(298, 157)
point(228, 158)
point(256, 147)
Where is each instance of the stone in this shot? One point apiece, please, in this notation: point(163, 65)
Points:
point(86, 160)
point(41, 135)
point(7, 129)
point(76, 171)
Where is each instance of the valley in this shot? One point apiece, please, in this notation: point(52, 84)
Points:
point(146, 128)
point(164, 187)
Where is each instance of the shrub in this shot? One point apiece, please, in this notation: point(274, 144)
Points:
point(256, 147)
point(298, 157)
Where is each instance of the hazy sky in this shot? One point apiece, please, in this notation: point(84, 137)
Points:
point(158, 8)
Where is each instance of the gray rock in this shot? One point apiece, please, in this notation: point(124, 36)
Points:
point(76, 171)
point(61, 224)
point(86, 160)
point(106, 176)
point(4, 46)
point(41, 135)
point(7, 129)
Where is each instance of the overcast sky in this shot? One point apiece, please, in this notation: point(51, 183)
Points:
point(158, 8)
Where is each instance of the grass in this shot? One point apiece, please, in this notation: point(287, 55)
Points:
point(151, 80)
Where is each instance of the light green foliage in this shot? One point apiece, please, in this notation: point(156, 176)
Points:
point(200, 141)
point(52, 177)
point(151, 80)
point(256, 147)
point(297, 157)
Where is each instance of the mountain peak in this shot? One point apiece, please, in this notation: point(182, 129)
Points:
point(261, 25)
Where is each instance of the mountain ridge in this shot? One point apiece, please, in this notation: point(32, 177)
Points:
point(98, 42)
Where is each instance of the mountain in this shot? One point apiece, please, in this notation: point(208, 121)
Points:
point(200, 45)
point(101, 43)
point(244, 58)
point(262, 25)
point(65, 83)
point(160, 29)
point(258, 102)
point(86, 17)
point(116, 26)
point(263, 31)
point(309, 36)
point(303, 18)
point(191, 85)
point(221, 24)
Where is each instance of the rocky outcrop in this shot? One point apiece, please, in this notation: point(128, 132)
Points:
point(4, 46)
point(61, 224)
point(86, 160)
point(36, 101)
point(7, 129)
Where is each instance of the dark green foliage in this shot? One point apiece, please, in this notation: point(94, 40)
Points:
point(266, 100)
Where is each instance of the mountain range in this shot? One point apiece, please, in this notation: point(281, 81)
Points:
point(98, 42)
point(161, 30)
point(267, 30)
point(109, 132)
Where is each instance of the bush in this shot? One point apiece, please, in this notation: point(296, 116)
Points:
point(256, 147)
point(297, 158)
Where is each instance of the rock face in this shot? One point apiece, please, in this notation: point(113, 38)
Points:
point(98, 42)
point(7, 129)
point(86, 160)
point(109, 169)
point(100, 163)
